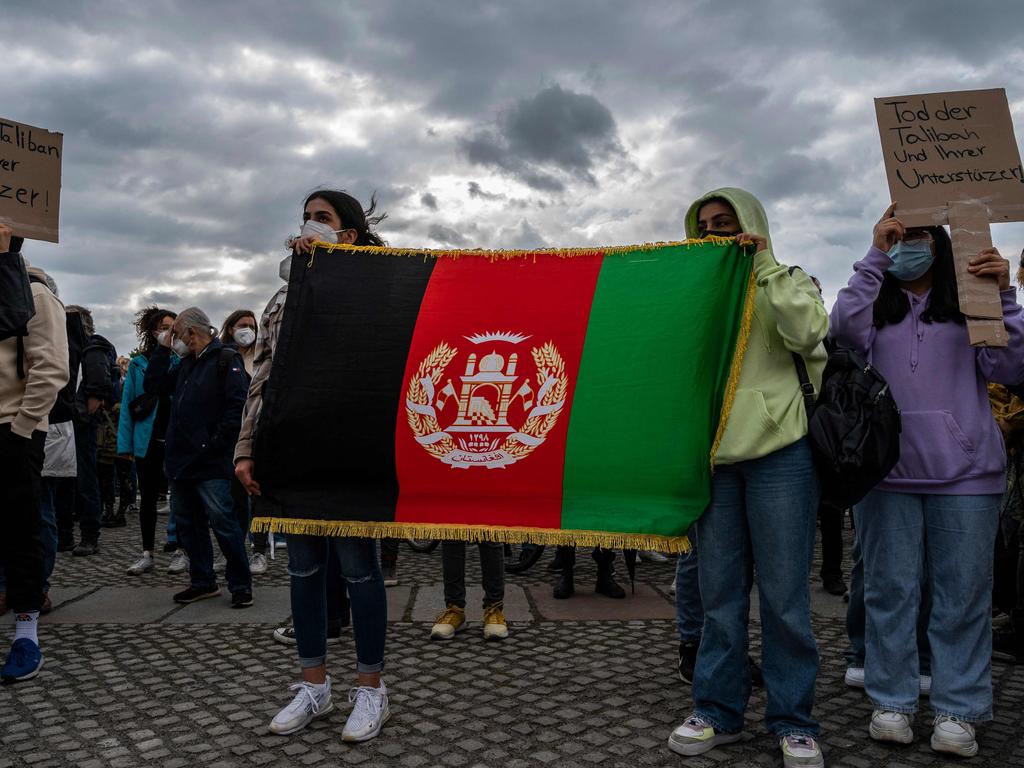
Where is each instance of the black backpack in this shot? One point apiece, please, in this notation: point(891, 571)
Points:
point(853, 427)
point(17, 306)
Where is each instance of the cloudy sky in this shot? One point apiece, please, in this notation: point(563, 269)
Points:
point(194, 130)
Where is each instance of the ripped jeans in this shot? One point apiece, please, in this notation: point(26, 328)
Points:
point(307, 566)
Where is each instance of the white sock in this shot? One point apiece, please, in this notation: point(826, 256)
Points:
point(25, 625)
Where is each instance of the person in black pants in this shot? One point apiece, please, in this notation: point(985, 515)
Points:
point(141, 430)
point(565, 561)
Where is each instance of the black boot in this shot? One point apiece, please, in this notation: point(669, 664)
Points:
point(606, 584)
point(106, 520)
point(561, 559)
point(564, 587)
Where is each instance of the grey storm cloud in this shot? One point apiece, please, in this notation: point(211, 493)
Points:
point(554, 129)
point(194, 131)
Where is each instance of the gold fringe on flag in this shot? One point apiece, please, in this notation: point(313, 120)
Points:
point(471, 533)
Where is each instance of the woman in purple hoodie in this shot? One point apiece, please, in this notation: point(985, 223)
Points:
point(940, 504)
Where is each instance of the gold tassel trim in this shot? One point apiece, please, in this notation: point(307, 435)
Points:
point(737, 364)
point(495, 255)
point(471, 533)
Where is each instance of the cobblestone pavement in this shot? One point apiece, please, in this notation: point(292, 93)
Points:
point(131, 680)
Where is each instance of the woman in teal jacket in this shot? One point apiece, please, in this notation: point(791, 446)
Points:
point(143, 438)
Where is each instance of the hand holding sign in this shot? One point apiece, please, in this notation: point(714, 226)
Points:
point(991, 263)
point(888, 231)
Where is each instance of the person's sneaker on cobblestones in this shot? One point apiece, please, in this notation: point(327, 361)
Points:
point(23, 661)
point(241, 599)
point(696, 736)
point(687, 659)
point(954, 737)
point(369, 713)
point(854, 677)
point(286, 635)
point(451, 620)
point(258, 563)
point(311, 701)
point(801, 751)
point(495, 627)
point(179, 562)
point(143, 565)
point(890, 726)
point(194, 594)
point(86, 548)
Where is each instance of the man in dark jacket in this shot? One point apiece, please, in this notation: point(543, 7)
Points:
point(94, 394)
point(209, 390)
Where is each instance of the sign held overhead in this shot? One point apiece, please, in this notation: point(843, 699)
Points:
point(941, 148)
point(30, 164)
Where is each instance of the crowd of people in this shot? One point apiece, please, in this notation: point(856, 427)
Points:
point(85, 433)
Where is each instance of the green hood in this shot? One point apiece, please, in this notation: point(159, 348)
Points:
point(749, 209)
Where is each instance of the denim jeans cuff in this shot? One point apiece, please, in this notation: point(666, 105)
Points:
point(317, 661)
point(369, 669)
point(881, 705)
point(984, 717)
point(714, 723)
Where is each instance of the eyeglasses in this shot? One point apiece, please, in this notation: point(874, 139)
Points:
point(918, 236)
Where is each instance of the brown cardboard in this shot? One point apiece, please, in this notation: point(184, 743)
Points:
point(979, 296)
point(30, 160)
point(957, 145)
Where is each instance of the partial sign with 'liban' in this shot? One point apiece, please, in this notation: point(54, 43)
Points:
point(30, 163)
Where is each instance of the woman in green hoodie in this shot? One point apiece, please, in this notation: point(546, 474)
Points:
point(763, 508)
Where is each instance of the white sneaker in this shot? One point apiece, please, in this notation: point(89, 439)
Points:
point(854, 677)
point(890, 726)
point(696, 736)
point(651, 556)
point(286, 635)
point(954, 736)
point(369, 713)
point(257, 563)
point(143, 565)
point(179, 562)
point(311, 701)
point(801, 751)
point(926, 685)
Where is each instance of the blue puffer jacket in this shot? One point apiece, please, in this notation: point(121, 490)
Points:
point(206, 410)
point(133, 436)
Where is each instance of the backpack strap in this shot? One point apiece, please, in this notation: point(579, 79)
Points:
point(21, 336)
point(806, 388)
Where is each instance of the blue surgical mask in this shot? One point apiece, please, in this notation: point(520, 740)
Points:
point(910, 259)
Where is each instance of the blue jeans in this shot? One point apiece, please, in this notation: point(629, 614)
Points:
point(763, 513)
point(689, 608)
point(54, 492)
point(855, 614)
point(308, 568)
point(198, 506)
point(899, 534)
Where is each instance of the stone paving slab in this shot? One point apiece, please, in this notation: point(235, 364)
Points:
point(116, 605)
point(430, 602)
point(59, 596)
point(271, 605)
point(647, 603)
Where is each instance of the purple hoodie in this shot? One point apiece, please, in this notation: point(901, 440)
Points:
point(950, 442)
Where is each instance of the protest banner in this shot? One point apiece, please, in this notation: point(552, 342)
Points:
point(30, 163)
point(952, 158)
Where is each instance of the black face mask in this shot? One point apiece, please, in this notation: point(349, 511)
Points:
point(716, 233)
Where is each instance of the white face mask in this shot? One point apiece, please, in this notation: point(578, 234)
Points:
point(180, 348)
point(323, 232)
point(162, 337)
point(244, 336)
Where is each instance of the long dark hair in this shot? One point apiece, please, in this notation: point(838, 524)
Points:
point(352, 215)
point(146, 321)
point(892, 304)
point(229, 324)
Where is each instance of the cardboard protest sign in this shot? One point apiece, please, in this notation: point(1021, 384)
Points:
point(953, 158)
point(30, 160)
point(942, 148)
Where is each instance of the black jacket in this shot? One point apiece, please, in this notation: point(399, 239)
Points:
point(207, 395)
point(99, 359)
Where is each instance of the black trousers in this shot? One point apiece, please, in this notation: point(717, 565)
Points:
point(150, 472)
point(830, 520)
point(492, 567)
point(21, 543)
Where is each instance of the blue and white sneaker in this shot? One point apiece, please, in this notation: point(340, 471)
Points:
point(23, 662)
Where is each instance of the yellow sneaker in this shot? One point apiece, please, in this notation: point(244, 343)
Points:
point(495, 627)
point(451, 620)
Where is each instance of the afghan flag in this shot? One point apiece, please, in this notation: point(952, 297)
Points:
point(557, 396)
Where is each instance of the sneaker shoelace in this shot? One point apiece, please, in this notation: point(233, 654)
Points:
point(493, 614)
point(698, 722)
point(797, 741)
point(450, 616)
point(304, 698)
point(368, 702)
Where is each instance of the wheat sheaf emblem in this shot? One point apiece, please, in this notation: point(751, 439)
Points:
point(474, 405)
